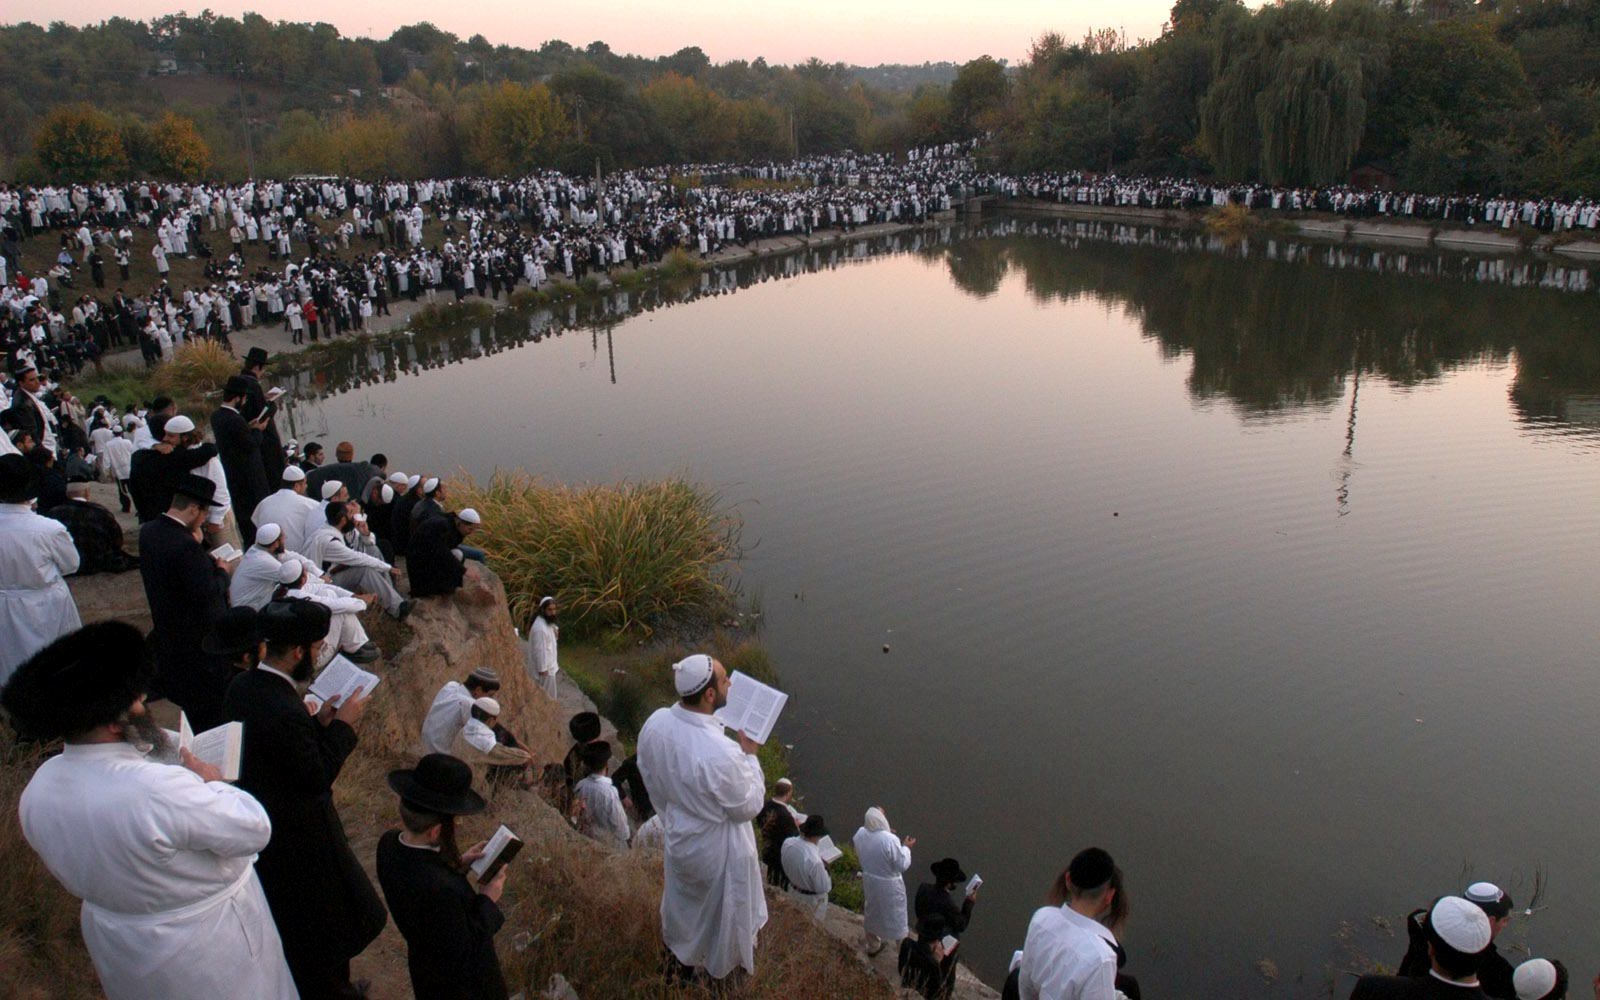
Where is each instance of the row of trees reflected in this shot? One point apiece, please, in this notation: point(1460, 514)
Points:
point(1269, 326)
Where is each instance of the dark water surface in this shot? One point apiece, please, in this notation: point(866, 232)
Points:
point(1271, 570)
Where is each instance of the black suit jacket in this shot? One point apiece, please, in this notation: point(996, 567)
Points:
point(255, 401)
point(1409, 988)
point(239, 447)
point(153, 477)
point(187, 593)
point(933, 899)
point(324, 905)
point(26, 416)
point(431, 563)
point(449, 927)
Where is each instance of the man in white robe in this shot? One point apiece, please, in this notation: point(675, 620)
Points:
point(162, 855)
point(884, 862)
point(542, 636)
point(287, 509)
point(255, 579)
point(707, 789)
point(345, 633)
point(1069, 953)
point(809, 881)
point(452, 707)
point(35, 554)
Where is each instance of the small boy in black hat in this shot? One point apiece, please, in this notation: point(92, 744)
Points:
point(449, 925)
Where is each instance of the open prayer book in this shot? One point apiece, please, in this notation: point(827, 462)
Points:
point(503, 846)
point(226, 552)
point(753, 707)
point(972, 884)
point(343, 680)
point(219, 747)
point(829, 851)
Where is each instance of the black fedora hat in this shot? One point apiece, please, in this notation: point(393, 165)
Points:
point(438, 784)
point(294, 623)
point(255, 356)
point(198, 488)
point(237, 385)
point(948, 870)
point(235, 632)
point(19, 479)
point(584, 726)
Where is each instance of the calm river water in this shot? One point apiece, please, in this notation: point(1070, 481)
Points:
point(1270, 569)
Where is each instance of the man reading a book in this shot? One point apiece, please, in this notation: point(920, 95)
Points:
point(708, 789)
point(160, 854)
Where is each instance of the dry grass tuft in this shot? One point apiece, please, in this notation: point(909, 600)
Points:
point(196, 369)
point(625, 558)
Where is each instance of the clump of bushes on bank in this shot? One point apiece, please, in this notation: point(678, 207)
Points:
point(627, 559)
point(434, 316)
point(197, 369)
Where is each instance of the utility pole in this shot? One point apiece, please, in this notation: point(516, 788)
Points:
point(244, 121)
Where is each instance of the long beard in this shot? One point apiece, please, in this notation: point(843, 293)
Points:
point(143, 732)
point(303, 669)
point(721, 702)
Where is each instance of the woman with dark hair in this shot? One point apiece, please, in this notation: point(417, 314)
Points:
point(449, 925)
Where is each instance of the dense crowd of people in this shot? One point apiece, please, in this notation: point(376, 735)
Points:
point(327, 256)
point(259, 559)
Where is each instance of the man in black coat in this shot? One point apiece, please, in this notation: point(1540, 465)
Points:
point(255, 404)
point(325, 907)
point(32, 409)
point(1458, 935)
point(434, 565)
point(239, 446)
point(400, 519)
point(935, 904)
point(449, 925)
point(154, 473)
point(187, 591)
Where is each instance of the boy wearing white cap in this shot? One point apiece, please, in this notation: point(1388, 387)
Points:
point(1457, 933)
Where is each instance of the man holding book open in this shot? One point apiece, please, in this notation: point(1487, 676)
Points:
point(160, 854)
point(707, 789)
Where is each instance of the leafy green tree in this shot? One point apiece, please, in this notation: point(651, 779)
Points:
point(978, 92)
point(179, 151)
point(517, 128)
point(77, 142)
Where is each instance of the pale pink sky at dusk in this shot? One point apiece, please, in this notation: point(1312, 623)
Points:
point(866, 32)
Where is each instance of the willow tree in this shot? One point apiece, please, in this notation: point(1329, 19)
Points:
point(1311, 113)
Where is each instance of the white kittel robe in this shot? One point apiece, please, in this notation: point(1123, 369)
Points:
point(707, 792)
point(808, 876)
point(165, 865)
point(541, 660)
point(884, 861)
point(36, 608)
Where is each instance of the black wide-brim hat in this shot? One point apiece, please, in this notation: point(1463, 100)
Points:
point(235, 632)
point(199, 488)
point(584, 726)
point(438, 784)
point(948, 870)
point(255, 356)
point(80, 681)
point(294, 622)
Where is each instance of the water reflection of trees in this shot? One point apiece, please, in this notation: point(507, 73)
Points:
point(1270, 334)
point(1269, 326)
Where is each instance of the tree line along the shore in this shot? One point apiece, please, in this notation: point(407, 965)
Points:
point(1429, 95)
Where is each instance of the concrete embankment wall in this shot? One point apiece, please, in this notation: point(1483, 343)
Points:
point(1387, 232)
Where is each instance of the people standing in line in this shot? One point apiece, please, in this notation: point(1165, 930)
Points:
point(1458, 933)
point(448, 923)
point(777, 822)
point(161, 855)
point(596, 800)
point(543, 635)
point(326, 908)
point(708, 789)
point(804, 869)
point(36, 555)
point(885, 859)
point(1070, 953)
point(187, 590)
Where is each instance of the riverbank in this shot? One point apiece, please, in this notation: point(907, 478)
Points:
point(573, 908)
point(1378, 232)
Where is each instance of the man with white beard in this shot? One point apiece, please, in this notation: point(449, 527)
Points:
point(161, 855)
point(707, 789)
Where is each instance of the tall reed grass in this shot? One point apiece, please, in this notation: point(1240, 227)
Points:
point(196, 369)
point(623, 559)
